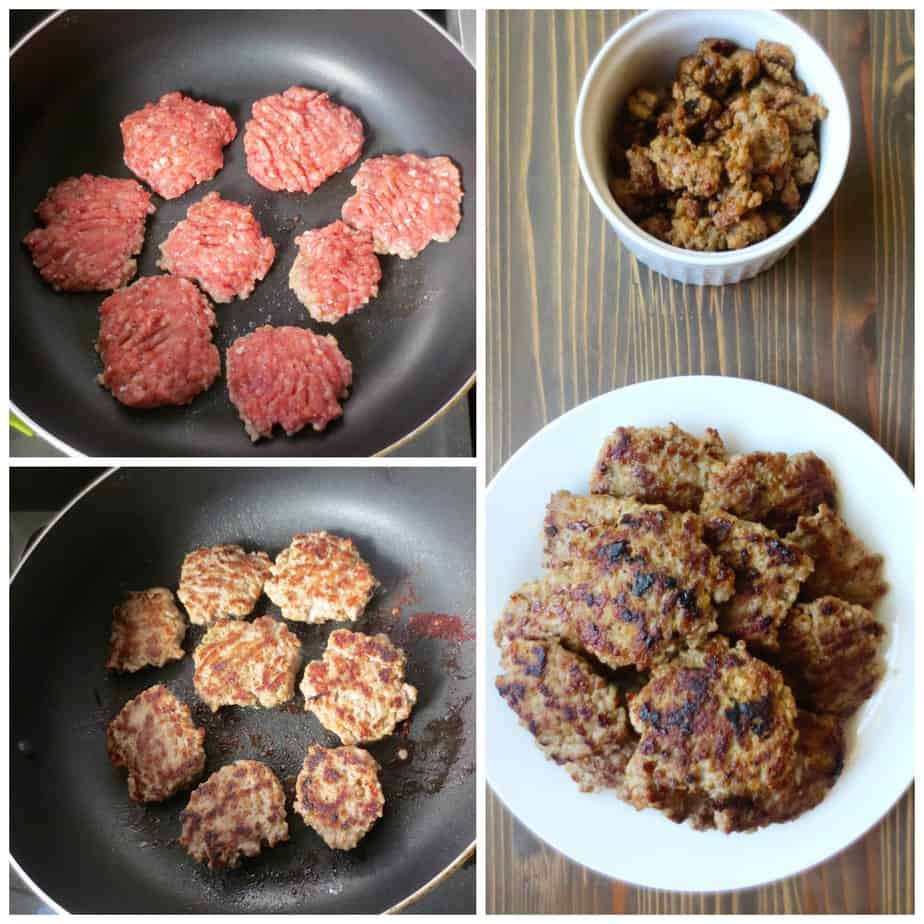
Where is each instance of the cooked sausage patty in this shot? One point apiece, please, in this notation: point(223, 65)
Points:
point(222, 581)
point(768, 574)
point(246, 663)
point(357, 690)
point(147, 630)
point(154, 738)
point(233, 813)
point(829, 650)
point(657, 465)
point(576, 717)
point(320, 577)
point(715, 724)
point(338, 794)
point(771, 488)
point(844, 567)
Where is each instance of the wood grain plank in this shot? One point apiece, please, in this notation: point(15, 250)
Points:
point(571, 314)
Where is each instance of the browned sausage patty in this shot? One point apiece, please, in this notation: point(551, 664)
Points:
point(147, 630)
point(657, 465)
point(155, 739)
point(576, 717)
point(338, 794)
point(246, 663)
point(222, 581)
point(357, 690)
point(320, 577)
point(233, 813)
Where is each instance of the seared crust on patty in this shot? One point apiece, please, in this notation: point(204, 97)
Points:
point(246, 663)
point(844, 567)
point(357, 690)
point(232, 814)
point(768, 573)
point(221, 581)
point(338, 794)
point(771, 488)
point(829, 651)
point(154, 738)
point(576, 717)
point(321, 577)
point(657, 465)
point(147, 630)
point(716, 724)
point(530, 614)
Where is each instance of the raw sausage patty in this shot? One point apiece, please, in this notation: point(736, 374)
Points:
point(232, 813)
point(406, 202)
point(175, 143)
point(336, 271)
point(320, 578)
point(220, 246)
point(338, 794)
point(288, 376)
point(155, 739)
point(94, 226)
point(155, 342)
point(298, 139)
point(222, 581)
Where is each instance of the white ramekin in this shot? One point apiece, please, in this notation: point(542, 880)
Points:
point(645, 52)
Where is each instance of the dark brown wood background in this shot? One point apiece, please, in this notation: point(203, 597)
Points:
point(571, 315)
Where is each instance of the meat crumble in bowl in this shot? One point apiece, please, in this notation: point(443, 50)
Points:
point(724, 157)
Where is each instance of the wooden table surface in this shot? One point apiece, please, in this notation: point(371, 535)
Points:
point(571, 315)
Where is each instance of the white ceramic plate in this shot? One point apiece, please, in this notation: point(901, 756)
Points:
point(644, 848)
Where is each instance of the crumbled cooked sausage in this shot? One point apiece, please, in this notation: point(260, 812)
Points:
point(726, 156)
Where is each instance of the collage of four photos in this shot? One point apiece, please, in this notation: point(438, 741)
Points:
point(460, 461)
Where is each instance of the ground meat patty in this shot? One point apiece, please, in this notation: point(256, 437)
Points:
point(298, 139)
point(715, 724)
point(844, 566)
point(336, 271)
point(147, 630)
point(338, 794)
point(219, 245)
point(771, 488)
point(576, 717)
point(657, 465)
point(357, 690)
point(155, 342)
point(233, 813)
point(94, 227)
point(320, 577)
point(288, 376)
point(155, 739)
point(175, 143)
point(406, 202)
point(829, 651)
point(246, 663)
point(529, 616)
point(768, 573)
point(222, 581)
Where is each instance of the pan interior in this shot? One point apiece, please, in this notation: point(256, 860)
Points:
point(73, 829)
point(412, 348)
